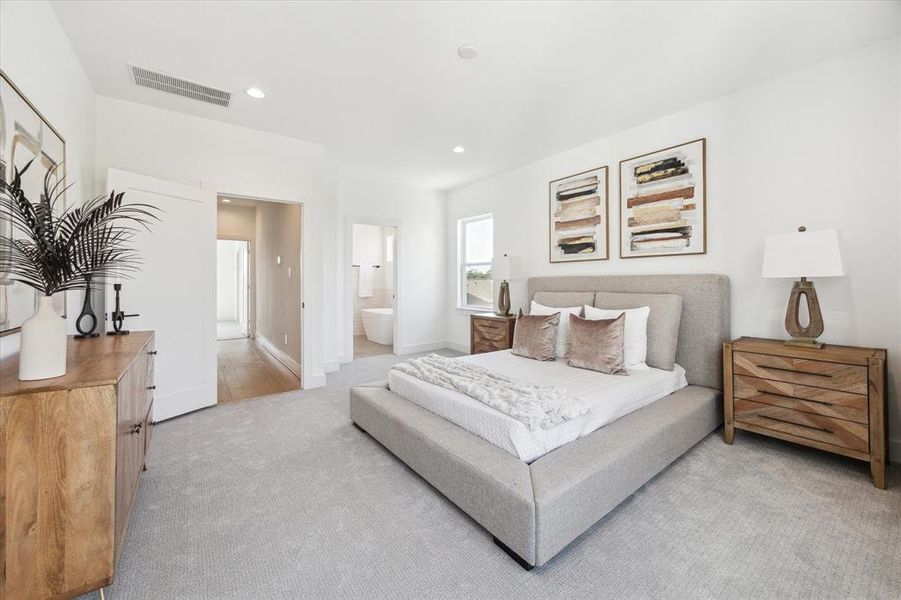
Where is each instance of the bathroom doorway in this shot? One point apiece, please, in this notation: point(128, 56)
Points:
point(373, 289)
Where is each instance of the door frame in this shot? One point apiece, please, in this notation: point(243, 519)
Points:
point(397, 305)
point(252, 281)
point(308, 379)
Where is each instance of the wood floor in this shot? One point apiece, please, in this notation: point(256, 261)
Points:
point(248, 371)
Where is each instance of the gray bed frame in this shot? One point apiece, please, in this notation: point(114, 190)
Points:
point(535, 510)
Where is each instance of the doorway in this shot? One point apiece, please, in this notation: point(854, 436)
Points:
point(259, 297)
point(232, 289)
point(373, 289)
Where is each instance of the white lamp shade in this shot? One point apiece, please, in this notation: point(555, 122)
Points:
point(802, 254)
point(500, 268)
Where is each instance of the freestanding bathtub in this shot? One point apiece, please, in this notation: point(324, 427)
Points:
point(378, 324)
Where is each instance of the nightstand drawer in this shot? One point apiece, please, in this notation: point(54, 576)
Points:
point(488, 327)
point(837, 432)
point(821, 401)
point(814, 373)
point(485, 346)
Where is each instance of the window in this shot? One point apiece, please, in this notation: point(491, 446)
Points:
point(476, 236)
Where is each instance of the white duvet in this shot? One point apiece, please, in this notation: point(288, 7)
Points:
point(608, 397)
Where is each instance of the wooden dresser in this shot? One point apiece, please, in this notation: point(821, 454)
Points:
point(489, 332)
point(831, 398)
point(71, 451)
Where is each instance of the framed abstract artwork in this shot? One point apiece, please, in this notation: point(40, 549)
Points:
point(578, 208)
point(663, 202)
point(25, 135)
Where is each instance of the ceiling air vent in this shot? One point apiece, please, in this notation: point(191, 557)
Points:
point(178, 86)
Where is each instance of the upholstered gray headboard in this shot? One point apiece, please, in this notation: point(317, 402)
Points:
point(705, 313)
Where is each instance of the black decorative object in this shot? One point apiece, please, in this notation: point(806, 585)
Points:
point(87, 316)
point(118, 315)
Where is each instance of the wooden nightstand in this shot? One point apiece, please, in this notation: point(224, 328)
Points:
point(830, 398)
point(489, 332)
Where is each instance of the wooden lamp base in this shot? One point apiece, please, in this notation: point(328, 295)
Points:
point(503, 300)
point(804, 337)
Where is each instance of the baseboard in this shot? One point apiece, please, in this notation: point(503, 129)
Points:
point(330, 366)
point(464, 348)
point(314, 381)
point(426, 347)
point(279, 355)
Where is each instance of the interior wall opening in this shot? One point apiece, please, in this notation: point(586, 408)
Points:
point(374, 255)
point(259, 298)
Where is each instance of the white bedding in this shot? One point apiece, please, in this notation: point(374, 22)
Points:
point(609, 397)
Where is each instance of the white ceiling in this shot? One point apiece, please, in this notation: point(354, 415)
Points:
point(380, 84)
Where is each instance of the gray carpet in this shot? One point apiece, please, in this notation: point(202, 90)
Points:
point(282, 498)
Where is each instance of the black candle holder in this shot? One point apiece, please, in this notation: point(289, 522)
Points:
point(87, 316)
point(118, 315)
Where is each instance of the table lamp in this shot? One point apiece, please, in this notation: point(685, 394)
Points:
point(801, 255)
point(500, 269)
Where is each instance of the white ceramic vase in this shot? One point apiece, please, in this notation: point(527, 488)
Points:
point(42, 349)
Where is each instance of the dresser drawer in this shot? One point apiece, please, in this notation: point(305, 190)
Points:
point(813, 373)
point(821, 401)
point(837, 432)
point(481, 346)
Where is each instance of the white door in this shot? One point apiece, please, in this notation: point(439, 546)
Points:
point(174, 293)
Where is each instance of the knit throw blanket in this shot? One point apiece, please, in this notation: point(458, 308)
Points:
point(536, 406)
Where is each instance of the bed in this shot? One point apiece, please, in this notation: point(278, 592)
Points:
point(535, 508)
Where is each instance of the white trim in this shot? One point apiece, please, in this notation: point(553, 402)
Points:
point(426, 347)
point(462, 264)
point(330, 366)
point(464, 348)
point(279, 354)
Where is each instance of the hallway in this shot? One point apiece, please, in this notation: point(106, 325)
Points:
point(246, 370)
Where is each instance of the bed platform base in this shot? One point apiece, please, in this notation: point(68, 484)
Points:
point(535, 510)
point(519, 560)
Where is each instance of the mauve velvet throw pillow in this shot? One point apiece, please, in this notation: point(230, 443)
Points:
point(535, 336)
point(597, 344)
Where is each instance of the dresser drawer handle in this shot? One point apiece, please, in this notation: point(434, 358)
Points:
point(152, 353)
point(798, 424)
point(136, 428)
point(151, 387)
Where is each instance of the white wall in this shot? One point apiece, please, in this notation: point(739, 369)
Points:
point(421, 286)
point(817, 147)
point(36, 55)
point(226, 280)
point(244, 162)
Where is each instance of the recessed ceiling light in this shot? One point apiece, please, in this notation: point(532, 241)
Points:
point(226, 200)
point(459, 149)
point(255, 93)
point(467, 51)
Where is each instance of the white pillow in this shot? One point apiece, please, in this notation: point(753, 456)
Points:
point(635, 344)
point(563, 327)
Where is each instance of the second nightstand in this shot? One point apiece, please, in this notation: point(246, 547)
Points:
point(830, 398)
point(489, 332)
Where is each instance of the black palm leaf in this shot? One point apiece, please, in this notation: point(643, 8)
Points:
point(55, 252)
